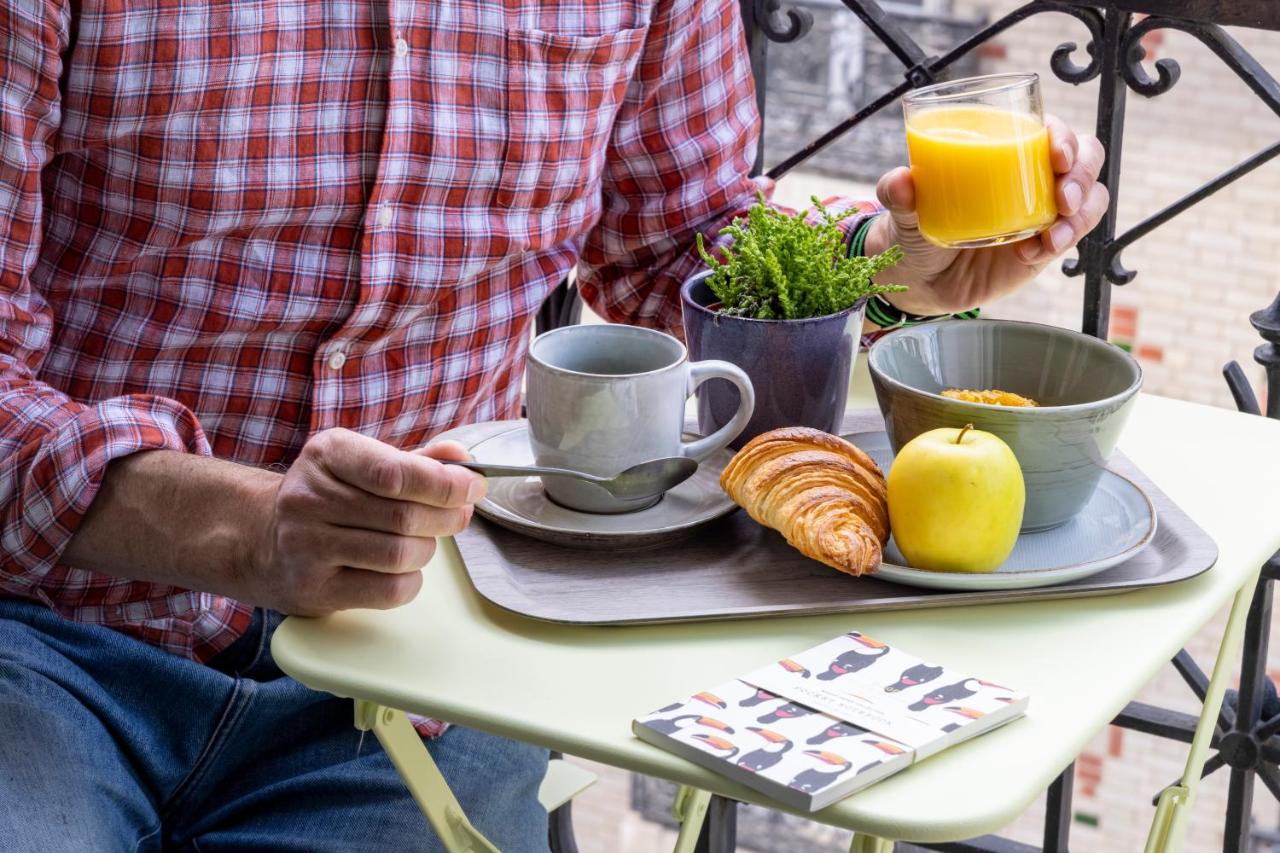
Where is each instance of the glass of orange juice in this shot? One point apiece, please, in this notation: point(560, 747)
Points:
point(980, 160)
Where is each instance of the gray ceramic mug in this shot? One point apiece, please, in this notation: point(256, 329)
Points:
point(603, 398)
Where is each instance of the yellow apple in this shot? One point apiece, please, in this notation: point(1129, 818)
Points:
point(955, 500)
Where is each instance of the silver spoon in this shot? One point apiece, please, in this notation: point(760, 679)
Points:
point(639, 481)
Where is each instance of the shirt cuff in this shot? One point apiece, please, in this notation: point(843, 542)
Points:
point(50, 481)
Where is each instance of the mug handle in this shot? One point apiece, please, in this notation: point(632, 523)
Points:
point(701, 371)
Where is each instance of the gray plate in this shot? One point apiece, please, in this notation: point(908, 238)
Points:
point(1117, 522)
point(520, 504)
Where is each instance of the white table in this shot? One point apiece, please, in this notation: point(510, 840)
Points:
point(451, 655)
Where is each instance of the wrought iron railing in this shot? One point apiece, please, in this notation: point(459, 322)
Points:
point(1114, 55)
point(1110, 51)
point(837, 67)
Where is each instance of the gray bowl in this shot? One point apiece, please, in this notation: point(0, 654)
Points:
point(1085, 388)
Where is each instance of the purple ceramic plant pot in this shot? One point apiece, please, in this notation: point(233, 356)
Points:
point(799, 368)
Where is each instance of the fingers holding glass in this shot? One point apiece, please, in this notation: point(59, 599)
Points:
point(1075, 184)
point(1064, 145)
point(1067, 231)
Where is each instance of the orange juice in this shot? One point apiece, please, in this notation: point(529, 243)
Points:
point(980, 172)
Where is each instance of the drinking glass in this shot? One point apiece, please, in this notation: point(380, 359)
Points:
point(979, 154)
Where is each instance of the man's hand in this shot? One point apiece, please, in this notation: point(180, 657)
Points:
point(945, 281)
point(354, 520)
point(349, 525)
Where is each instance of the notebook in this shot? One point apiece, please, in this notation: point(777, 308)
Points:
point(814, 728)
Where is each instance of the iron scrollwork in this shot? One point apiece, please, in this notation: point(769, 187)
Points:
point(923, 69)
point(1064, 67)
point(770, 16)
point(1267, 322)
point(1135, 74)
point(1231, 52)
point(1168, 72)
point(1116, 272)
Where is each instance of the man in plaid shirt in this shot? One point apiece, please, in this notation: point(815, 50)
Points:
point(253, 255)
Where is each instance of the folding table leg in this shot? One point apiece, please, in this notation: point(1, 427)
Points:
point(1169, 823)
point(691, 810)
point(422, 777)
point(719, 828)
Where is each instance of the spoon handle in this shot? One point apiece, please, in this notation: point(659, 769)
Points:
point(492, 470)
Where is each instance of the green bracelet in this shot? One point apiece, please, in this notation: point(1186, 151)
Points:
point(886, 315)
point(881, 311)
point(858, 244)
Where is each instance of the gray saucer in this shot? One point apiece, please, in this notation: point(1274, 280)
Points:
point(1116, 523)
point(521, 504)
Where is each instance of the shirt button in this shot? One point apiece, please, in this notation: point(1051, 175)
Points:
point(384, 215)
point(402, 47)
point(337, 359)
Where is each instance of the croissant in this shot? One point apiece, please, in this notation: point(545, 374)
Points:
point(824, 495)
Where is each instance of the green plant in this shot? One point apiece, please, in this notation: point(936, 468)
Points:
point(780, 267)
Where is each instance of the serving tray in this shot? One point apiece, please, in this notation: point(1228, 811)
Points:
point(734, 568)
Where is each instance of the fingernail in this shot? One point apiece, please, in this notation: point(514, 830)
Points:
point(1060, 236)
point(1067, 155)
point(477, 489)
point(1074, 195)
point(1028, 250)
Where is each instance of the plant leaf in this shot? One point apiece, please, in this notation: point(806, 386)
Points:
point(776, 266)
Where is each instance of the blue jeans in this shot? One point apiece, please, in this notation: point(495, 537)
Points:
point(108, 744)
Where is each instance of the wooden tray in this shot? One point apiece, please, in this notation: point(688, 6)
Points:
point(734, 568)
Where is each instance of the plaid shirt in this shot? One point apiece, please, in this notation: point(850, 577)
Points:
point(227, 226)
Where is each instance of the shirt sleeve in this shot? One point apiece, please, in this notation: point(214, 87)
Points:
point(678, 164)
point(53, 450)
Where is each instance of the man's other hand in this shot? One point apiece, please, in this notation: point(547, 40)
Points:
point(946, 281)
point(353, 522)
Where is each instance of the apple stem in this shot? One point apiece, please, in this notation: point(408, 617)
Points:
point(960, 437)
